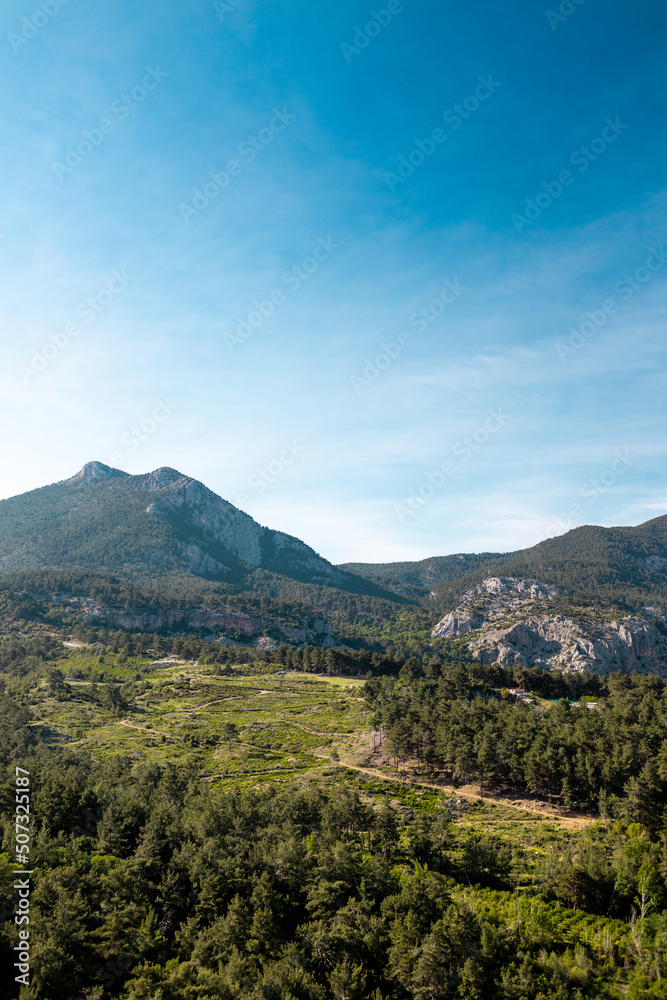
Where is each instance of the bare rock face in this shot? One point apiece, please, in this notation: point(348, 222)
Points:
point(187, 498)
point(93, 472)
point(510, 621)
point(210, 623)
point(182, 498)
point(513, 586)
point(458, 623)
point(265, 642)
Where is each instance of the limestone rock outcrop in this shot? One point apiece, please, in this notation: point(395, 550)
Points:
point(526, 623)
point(187, 501)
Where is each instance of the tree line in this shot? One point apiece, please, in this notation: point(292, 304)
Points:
point(462, 722)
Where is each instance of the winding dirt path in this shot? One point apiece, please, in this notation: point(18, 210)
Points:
point(544, 811)
point(206, 704)
point(146, 729)
point(569, 822)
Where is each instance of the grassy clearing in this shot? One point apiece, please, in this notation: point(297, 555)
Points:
point(284, 723)
point(250, 727)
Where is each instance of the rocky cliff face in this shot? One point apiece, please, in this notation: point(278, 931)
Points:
point(186, 499)
point(187, 502)
point(213, 625)
point(512, 621)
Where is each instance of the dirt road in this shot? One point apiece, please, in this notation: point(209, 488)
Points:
point(543, 811)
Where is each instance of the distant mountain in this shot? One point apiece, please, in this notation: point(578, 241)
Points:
point(419, 580)
point(153, 525)
point(612, 565)
point(187, 550)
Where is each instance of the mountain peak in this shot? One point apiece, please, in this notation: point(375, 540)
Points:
point(160, 479)
point(93, 472)
point(158, 522)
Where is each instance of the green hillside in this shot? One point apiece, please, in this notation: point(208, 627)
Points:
point(147, 528)
point(252, 832)
point(102, 526)
point(626, 565)
point(417, 579)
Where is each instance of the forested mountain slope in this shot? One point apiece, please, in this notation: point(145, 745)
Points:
point(187, 843)
point(419, 580)
point(615, 565)
point(154, 525)
point(162, 552)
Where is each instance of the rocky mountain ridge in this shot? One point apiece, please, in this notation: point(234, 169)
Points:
point(513, 621)
point(183, 498)
point(104, 519)
point(166, 533)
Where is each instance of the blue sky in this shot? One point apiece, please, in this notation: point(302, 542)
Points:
point(503, 261)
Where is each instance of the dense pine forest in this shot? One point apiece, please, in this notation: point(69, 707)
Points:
point(607, 752)
point(588, 564)
point(152, 880)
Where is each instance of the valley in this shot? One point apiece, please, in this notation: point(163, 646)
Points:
point(255, 774)
point(155, 771)
point(256, 724)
